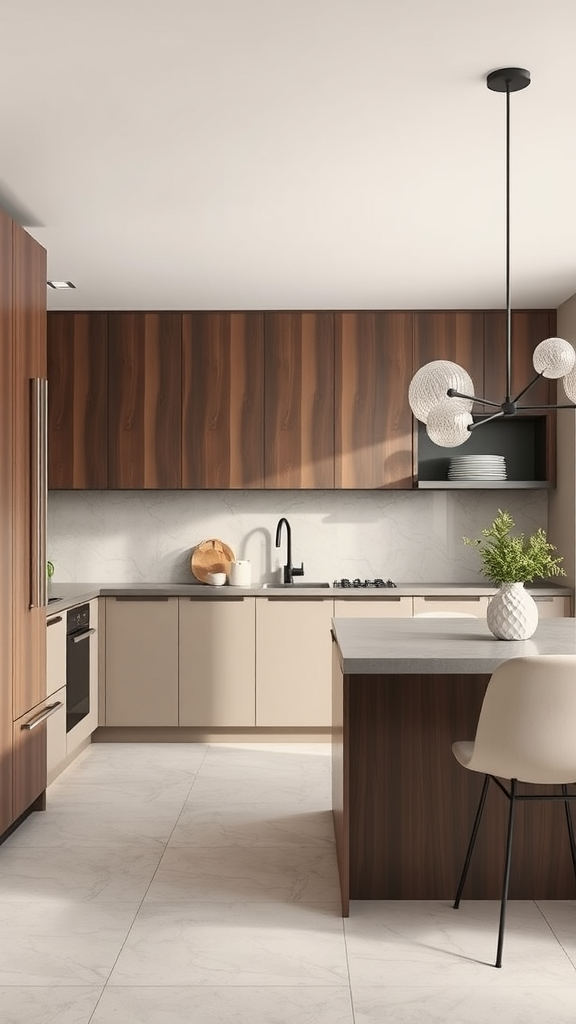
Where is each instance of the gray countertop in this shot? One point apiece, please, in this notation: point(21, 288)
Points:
point(69, 594)
point(440, 646)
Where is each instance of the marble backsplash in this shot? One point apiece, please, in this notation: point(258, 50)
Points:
point(408, 536)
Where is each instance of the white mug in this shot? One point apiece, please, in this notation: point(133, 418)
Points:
point(240, 574)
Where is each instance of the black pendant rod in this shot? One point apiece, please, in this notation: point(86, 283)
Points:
point(508, 306)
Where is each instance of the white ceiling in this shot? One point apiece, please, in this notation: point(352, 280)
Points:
point(290, 153)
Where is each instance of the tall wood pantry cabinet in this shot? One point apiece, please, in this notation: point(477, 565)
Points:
point(22, 622)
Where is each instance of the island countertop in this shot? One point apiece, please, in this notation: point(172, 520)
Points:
point(440, 646)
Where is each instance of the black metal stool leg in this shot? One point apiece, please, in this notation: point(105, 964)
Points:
point(570, 827)
point(507, 863)
point(475, 827)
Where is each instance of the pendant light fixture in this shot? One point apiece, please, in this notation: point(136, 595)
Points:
point(441, 393)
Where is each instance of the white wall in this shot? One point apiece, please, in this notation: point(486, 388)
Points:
point(562, 503)
point(409, 536)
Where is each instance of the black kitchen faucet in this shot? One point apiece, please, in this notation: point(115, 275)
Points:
point(289, 571)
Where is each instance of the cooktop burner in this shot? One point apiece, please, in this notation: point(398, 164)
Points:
point(364, 584)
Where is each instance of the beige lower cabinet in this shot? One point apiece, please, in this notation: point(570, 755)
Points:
point(389, 607)
point(217, 661)
point(552, 607)
point(293, 662)
point(141, 661)
point(56, 736)
point(467, 605)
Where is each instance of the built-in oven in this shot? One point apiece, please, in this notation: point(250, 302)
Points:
point(78, 633)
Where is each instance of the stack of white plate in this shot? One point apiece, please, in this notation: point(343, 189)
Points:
point(477, 467)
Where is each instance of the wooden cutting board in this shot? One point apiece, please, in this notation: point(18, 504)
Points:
point(211, 556)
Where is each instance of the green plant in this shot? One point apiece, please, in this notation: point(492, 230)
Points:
point(49, 569)
point(507, 559)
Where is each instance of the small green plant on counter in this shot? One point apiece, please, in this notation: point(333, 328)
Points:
point(50, 569)
point(507, 559)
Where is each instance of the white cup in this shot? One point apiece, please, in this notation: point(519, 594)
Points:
point(216, 579)
point(241, 573)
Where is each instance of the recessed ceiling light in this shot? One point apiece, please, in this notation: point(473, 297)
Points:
point(60, 284)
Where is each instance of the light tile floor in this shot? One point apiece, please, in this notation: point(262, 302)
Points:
point(197, 884)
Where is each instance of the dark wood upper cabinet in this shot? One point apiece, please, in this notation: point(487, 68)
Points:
point(528, 329)
point(373, 418)
point(144, 394)
point(299, 400)
point(222, 400)
point(454, 335)
point(78, 400)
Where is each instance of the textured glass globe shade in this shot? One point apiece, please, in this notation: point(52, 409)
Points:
point(448, 423)
point(569, 385)
point(554, 358)
point(430, 383)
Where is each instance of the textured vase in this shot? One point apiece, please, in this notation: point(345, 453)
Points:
point(512, 613)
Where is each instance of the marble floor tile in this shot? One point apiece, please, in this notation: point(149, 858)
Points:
point(135, 762)
point(224, 1005)
point(249, 824)
point(400, 942)
point(295, 873)
point(76, 874)
point(465, 1004)
point(28, 1005)
point(234, 787)
point(245, 944)
point(561, 918)
point(158, 792)
point(48, 942)
point(98, 824)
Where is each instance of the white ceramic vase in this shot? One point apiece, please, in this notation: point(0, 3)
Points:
point(512, 613)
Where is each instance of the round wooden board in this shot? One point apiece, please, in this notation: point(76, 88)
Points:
point(211, 556)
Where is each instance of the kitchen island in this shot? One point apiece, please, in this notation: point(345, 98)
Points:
point(403, 691)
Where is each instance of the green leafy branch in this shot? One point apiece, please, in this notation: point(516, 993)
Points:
point(507, 559)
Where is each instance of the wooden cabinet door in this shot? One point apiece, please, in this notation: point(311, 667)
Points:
point(222, 400)
point(373, 418)
point(456, 336)
point(293, 662)
point(29, 362)
point(299, 400)
point(30, 760)
point(78, 400)
point(6, 519)
point(529, 327)
point(141, 661)
point(144, 424)
point(217, 662)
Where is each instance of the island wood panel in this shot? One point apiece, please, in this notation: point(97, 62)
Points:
point(29, 361)
point(373, 419)
point(144, 424)
point(299, 400)
point(223, 400)
point(529, 328)
point(6, 415)
point(78, 400)
point(411, 805)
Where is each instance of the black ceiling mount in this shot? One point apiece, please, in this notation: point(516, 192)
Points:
point(508, 79)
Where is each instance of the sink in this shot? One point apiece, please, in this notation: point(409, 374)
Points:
point(295, 586)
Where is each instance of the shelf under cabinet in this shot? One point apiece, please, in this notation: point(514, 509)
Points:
point(482, 485)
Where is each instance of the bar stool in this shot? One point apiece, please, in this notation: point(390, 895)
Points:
point(525, 733)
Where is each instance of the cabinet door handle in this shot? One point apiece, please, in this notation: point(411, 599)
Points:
point(52, 622)
point(82, 636)
point(42, 715)
point(38, 491)
point(136, 599)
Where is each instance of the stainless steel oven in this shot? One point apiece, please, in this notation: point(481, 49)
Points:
point(78, 633)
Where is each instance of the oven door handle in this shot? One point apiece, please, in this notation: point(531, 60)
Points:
point(82, 636)
point(43, 715)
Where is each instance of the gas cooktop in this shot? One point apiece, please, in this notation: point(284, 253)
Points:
point(356, 584)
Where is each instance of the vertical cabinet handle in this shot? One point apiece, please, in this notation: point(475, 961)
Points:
point(38, 490)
